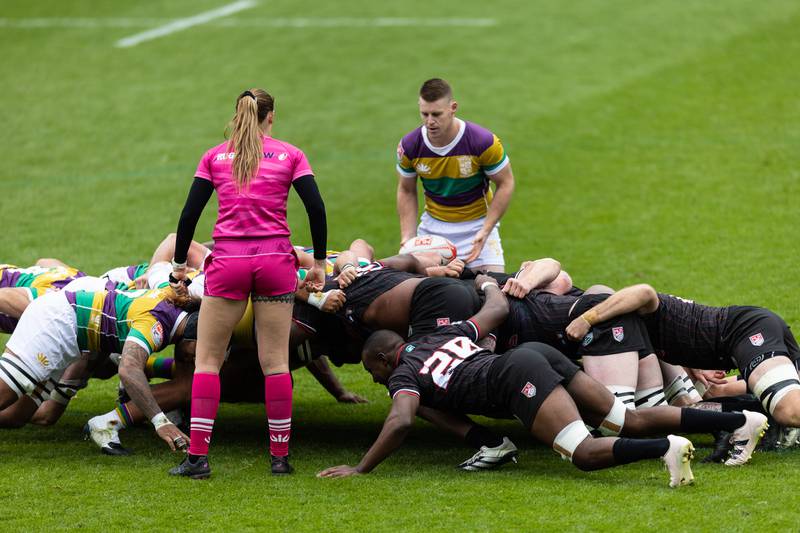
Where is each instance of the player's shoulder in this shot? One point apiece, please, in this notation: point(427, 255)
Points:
point(412, 142)
point(221, 148)
point(478, 137)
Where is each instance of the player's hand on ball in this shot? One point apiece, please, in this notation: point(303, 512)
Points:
point(350, 397)
point(173, 436)
point(339, 471)
point(335, 300)
point(516, 288)
point(578, 329)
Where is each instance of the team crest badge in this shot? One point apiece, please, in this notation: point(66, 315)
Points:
point(465, 166)
point(619, 333)
point(410, 347)
point(587, 340)
point(442, 322)
point(282, 156)
point(158, 333)
point(529, 390)
point(757, 339)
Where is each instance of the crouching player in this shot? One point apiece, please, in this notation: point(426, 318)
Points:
point(537, 385)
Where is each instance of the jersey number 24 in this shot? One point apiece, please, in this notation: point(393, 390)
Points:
point(447, 358)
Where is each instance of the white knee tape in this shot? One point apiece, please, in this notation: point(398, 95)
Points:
point(570, 438)
point(627, 395)
point(675, 390)
point(16, 375)
point(614, 421)
point(651, 397)
point(774, 385)
point(693, 389)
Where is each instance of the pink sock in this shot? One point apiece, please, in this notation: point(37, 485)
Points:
point(205, 401)
point(278, 401)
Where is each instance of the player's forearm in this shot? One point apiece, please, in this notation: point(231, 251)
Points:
point(494, 310)
point(345, 258)
point(638, 298)
point(132, 376)
point(540, 272)
point(407, 210)
point(325, 376)
point(500, 203)
point(392, 436)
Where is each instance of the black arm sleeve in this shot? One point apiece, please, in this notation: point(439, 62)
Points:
point(199, 193)
point(308, 192)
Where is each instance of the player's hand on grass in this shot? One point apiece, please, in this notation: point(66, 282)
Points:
point(173, 436)
point(477, 245)
point(516, 288)
point(347, 275)
point(578, 329)
point(339, 471)
point(334, 301)
point(350, 397)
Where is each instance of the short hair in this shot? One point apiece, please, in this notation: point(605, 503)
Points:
point(435, 89)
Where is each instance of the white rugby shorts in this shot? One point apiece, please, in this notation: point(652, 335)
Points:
point(46, 338)
point(461, 234)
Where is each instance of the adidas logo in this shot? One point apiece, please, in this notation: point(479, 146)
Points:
point(279, 438)
point(43, 360)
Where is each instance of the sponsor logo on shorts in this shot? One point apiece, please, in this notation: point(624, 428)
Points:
point(157, 331)
point(587, 340)
point(529, 390)
point(618, 333)
point(465, 165)
point(442, 322)
point(757, 339)
point(43, 360)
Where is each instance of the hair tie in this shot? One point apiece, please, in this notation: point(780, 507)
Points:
point(248, 93)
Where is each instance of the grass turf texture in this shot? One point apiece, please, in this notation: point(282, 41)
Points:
point(651, 142)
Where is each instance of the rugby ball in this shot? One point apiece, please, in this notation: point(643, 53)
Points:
point(430, 243)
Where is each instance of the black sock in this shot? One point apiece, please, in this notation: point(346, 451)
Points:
point(700, 421)
point(479, 435)
point(631, 450)
point(740, 403)
point(193, 458)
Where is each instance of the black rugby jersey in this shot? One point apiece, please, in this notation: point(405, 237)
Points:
point(540, 317)
point(686, 333)
point(447, 370)
point(371, 281)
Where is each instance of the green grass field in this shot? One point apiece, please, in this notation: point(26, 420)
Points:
point(651, 141)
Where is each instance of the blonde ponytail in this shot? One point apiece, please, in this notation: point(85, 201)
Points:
point(246, 137)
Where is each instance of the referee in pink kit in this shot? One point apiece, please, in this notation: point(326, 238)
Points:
point(252, 258)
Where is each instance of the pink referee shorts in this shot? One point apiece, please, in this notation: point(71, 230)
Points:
point(238, 268)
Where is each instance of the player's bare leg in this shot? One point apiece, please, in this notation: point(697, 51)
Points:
point(273, 320)
point(18, 414)
point(649, 384)
point(558, 423)
point(618, 372)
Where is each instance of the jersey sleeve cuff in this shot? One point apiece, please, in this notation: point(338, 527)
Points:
point(410, 392)
point(141, 343)
point(405, 172)
point(494, 169)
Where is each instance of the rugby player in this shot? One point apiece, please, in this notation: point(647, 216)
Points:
point(754, 340)
point(537, 385)
point(59, 327)
point(456, 161)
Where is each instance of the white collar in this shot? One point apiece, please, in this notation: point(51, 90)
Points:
point(443, 150)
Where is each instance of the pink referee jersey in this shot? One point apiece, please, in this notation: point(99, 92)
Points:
point(260, 209)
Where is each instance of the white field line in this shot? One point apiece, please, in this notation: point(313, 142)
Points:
point(184, 23)
point(255, 22)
